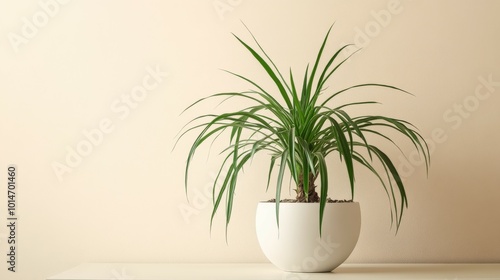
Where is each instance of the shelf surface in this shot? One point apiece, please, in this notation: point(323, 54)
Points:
point(265, 271)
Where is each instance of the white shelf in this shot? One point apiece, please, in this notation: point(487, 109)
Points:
point(264, 271)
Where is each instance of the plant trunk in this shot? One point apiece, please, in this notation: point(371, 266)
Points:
point(312, 195)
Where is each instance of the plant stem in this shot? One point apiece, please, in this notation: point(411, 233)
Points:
point(312, 195)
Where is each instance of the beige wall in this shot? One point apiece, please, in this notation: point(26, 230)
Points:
point(73, 70)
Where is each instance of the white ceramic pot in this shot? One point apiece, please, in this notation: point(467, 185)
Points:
point(297, 246)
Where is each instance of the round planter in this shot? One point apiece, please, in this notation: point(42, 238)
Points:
point(297, 245)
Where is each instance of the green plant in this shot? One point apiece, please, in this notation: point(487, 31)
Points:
point(299, 128)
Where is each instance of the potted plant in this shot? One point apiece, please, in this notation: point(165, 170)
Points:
point(299, 124)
